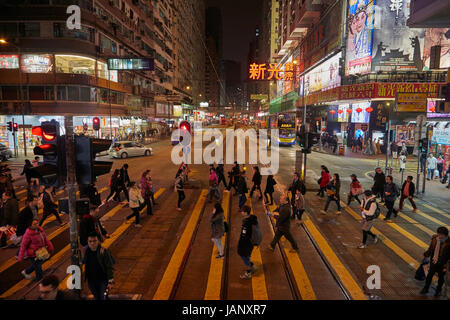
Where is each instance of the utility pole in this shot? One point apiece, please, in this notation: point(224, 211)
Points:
point(71, 190)
point(418, 133)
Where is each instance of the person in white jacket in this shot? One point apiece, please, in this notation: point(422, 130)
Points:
point(431, 166)
point(368, 207)
point(402, 162)
point(135, 202)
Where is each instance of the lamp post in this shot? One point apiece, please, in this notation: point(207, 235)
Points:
point(4, 42)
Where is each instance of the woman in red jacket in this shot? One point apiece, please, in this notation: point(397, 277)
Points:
point(323, 181)
point(33, 240)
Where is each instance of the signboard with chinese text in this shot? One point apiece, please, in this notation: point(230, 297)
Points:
point(9, 61)
point(144, 64)
point(411, 102)
point(36, 63)
point(360, 33)
point(271, 71)
point(259, 97)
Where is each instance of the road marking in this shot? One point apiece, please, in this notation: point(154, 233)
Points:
point(391, 245)
point(214, 285)
point(439, 222)
point(258, 279)
point(298, 270)
point(416, 224)
point(170, 275)
point(436, 210)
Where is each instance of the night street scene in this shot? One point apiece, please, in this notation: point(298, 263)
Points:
point(225, 158)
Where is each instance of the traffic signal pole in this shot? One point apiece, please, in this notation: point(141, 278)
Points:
point(71, 190)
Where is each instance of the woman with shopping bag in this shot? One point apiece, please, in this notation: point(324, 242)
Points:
point(36, 247)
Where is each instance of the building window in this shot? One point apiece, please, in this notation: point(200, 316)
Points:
point(61, 93)
point(60, 31)
point(85, 94)
point(30, 29)
point(73, 93)
point(10, 92)
point(41, 93)
point(75, 64)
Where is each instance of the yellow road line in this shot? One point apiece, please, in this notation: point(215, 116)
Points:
point(258, 279)
point(214, 285)
point(114, 236)
point(347, 279)
point(416, 224)
point(298, 270)
point(170, 275)
point(21, 191)
point(391, 245)
point(436, 210)
point(426, 216)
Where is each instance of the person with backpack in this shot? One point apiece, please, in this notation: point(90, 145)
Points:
point(179, 188)
point(269, 190)
point(283, 224)
point(369, 212)
point(247, 240)
point(241, 189)
point(439, 255)
point(217, 228)
point(333, 189)
point(99, 267)
point(256, 182)
point(356, 189)
point(390, 195)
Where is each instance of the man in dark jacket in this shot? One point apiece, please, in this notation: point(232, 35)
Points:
point(221, 175)
point(26, 216)
point(245, 245)
point(48, 290)
point(408, 189)
point(256, 182)
point(297, 184)
point(99, 267)
point(10, 209)
point(379, 181)
point(124, 181)
point(439, 254)
point(283, 225)
point(90, 224)
point(241, 189)
point(233, 174)
point(391, 193)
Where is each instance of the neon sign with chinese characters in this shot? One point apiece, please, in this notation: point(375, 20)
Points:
point(271, 71)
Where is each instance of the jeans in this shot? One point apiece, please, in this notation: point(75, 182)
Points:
point(147, 203)
point(135, 214)
point(422, 165)
point(222, 178)
point(36, 265)
point(287, 234)
point(98, 288)
point(337, 200)
point(430, 173)
point(181, 197)
point(214, 192)
point(351, 196)
point(440, 167)
point(247, 262)
point(242, 200)
point(218, 243)
point(390, 207)
point(440, 271)
point(365, 234)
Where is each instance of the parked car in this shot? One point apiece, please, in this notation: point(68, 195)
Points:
point(5, 152)
point(125, 149)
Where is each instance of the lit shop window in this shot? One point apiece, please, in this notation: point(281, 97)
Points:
point(102, 72)
point(75, 64)
point(10, 61)
point(36, 63)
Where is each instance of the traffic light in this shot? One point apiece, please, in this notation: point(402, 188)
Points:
point(301, 136)
point(53, 170)
point(15, 126)
point(423, 145)
point(96, 123)
point(184, 125)
point(312, 140)
point(87, 168)
point(10, 126)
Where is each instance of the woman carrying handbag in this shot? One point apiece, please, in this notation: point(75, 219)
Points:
point(136, 202)
point(355, 190)
point(36, 247)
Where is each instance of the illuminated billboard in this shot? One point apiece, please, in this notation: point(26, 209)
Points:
point(36, 63)
point(360, 33)
point(9, 61)
point(396, 47)
point(359, 113)
point(143, 64)
point(436, 37)
point(325, 76)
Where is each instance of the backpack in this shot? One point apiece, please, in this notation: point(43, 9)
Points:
point(256, 237)
point(330, 190)
point(376, 213)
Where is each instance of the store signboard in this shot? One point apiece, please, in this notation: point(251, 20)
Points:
point(143, 64)
point(360, 33)
point(177, 111)
point(441, 135)
point(325, 76)
point(36, 63)
point(9, 61)
point(396, 47)
point(405, 134)
point(411, 102)
point(259, 97)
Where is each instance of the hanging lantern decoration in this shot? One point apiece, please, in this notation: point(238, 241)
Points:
point(349, 111)
point(432, 109)
point(332, 112)
point(369, 109)
point(358, 110)
point(340, 111)
point(323, 129)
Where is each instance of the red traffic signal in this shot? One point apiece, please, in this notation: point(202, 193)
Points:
point(45, 149)
point(186, 126)
point(15, 126)
point(46, 131)
point(96, 123)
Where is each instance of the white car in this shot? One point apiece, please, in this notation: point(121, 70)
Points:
point(125, 149)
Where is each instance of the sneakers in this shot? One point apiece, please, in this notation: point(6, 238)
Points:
point(293, 250)
point(414, 210)
point(338, 212)
point(138, 225)
point(387, 220)
point(26, 275)
point(220, 256)
point(246, 275)
point(323, 212)
point(179, 209)
point(362, 246)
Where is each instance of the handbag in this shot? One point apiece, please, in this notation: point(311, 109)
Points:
point(42, 253)
point(319, 181)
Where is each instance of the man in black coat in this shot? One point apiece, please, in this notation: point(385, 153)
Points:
point(256, 182)
point(245, 245)
point(124, 180)
point(221, 175)
point(283, 225)
point(27, 215)
point(408, 189)
point(379, 181)
point(241, 189)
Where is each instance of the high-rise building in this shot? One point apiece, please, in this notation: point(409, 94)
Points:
point(233, 84)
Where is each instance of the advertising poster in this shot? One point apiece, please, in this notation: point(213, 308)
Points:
point(363, 116)
point(9, 61)
point(344, 115)
point(405, 134)
point(36, 63)
point(441, 135)
point(436, 37)
point(396, 46)
point(325, 76)
point(360, 33)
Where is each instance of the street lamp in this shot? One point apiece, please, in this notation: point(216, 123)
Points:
point(4, 42)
